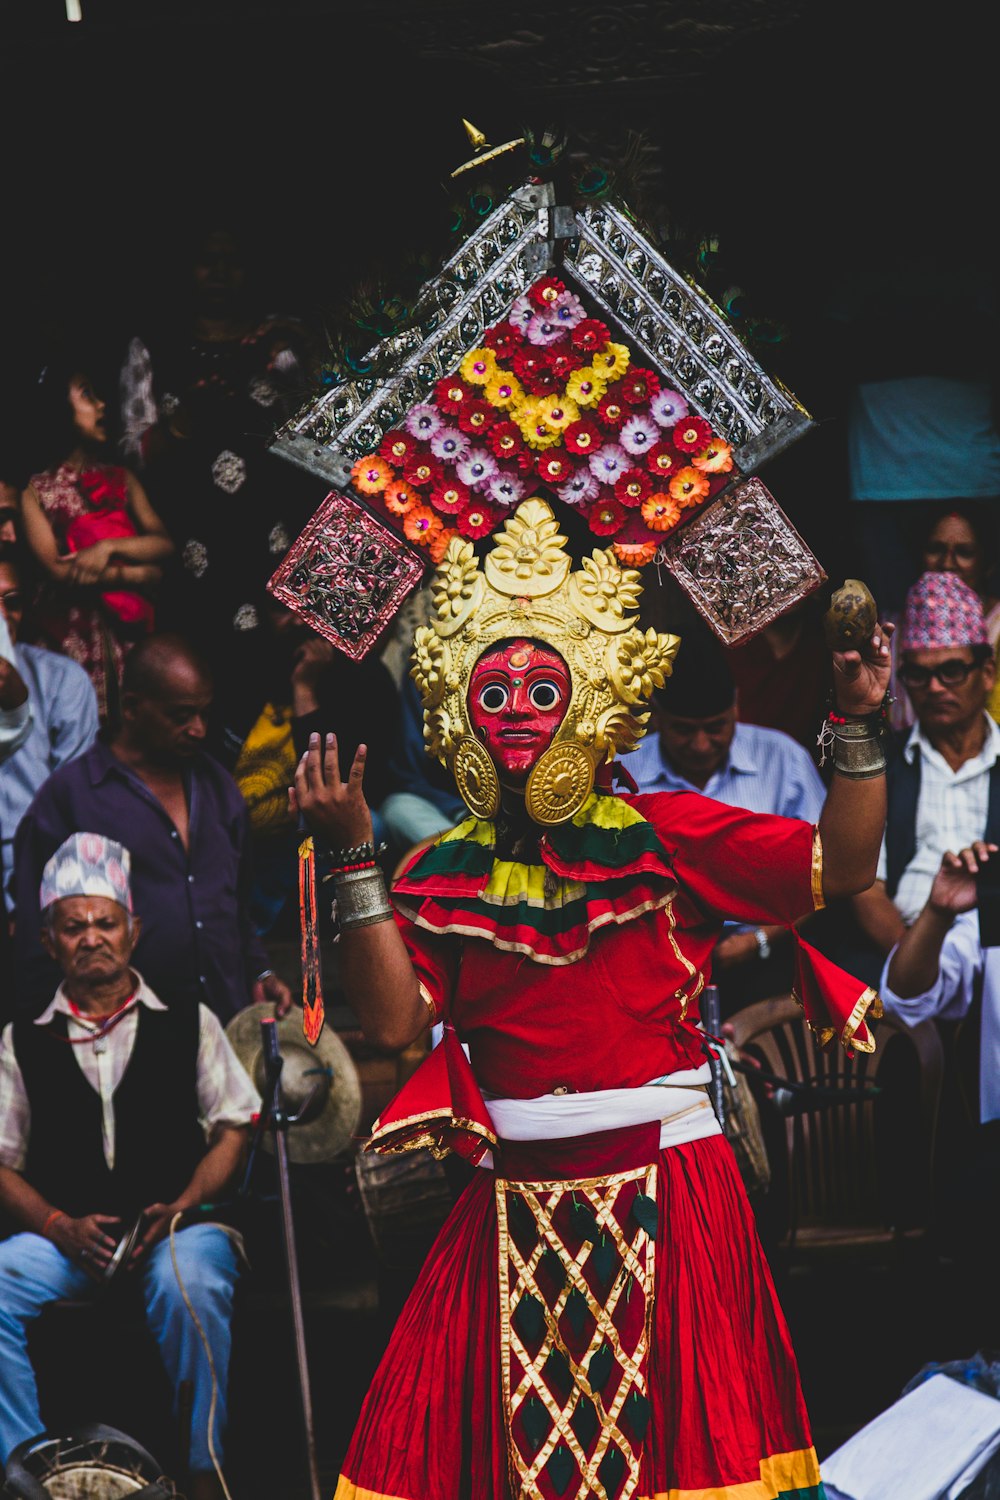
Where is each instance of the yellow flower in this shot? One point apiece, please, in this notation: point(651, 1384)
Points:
point(612, 362)
point(585, 386)
point(557, 412)
point(535, 430)
point(479, 366)
point(504, 391)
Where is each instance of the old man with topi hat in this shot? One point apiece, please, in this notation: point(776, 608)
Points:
point(118, 1112)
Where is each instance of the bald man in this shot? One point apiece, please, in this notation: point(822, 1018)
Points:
point(153, 788)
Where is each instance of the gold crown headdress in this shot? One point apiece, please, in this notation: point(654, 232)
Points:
point(526, 588)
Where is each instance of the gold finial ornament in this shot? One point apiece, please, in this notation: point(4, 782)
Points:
point(527, 586)
point(476, 138)
point(478, 142)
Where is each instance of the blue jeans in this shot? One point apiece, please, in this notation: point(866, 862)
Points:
point(33, 1272)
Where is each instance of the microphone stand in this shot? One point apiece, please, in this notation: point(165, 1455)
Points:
point(274, 1116)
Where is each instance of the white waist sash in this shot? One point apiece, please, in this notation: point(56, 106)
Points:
point(678, 1101)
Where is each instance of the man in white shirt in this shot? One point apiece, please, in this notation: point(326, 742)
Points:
point(695, 743)
point(114, 1105)
point(936, 972)
point(941, 787)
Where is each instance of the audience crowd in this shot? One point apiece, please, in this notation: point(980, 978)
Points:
point(154, 701)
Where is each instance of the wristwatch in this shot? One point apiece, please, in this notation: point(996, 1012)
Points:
point(763, 946)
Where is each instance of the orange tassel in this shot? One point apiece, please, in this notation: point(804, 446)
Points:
point(312, 978)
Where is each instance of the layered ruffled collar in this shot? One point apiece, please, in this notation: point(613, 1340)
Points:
point(606, 865)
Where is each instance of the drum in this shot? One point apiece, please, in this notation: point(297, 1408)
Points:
point(93, 1463)
point(406, 1199)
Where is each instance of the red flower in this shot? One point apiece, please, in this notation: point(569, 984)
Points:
point(507, 442)
point(479, 520)
point(451, 395)
point(691, 434)
point(611, 408)
point(533, 368)
point(639, 386)
point(477, 416)
point(554, 467)
point(503, 339)
point(605, 517)
point(632, 487)
point(422, 470)
point(663, 461)
point(450, 496)
point(590, 335)
point(545, 292)
point(583, 437)
point(397, 447)
point(563, 362)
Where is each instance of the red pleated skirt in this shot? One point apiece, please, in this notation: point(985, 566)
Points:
point(728, 1421)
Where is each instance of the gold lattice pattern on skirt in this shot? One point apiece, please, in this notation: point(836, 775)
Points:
point(577, 1264)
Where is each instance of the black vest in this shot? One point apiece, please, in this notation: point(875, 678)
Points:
point(901, 824)
point(158, 1140)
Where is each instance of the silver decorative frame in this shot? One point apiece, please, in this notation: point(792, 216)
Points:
point(682, 332)
point(675, 324)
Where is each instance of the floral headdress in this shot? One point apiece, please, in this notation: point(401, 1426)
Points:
point(527, 586)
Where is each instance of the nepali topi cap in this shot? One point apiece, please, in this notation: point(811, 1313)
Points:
point(942, 611)
point(87, 864)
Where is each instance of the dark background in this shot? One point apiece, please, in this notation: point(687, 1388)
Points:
point(843, 154)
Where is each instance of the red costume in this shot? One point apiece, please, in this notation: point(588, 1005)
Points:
point(597, 1316)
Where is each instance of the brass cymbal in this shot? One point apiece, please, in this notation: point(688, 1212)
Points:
point(331, 1121)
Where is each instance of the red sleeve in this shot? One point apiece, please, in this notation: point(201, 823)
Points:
point(741, 866)
point(435, 962)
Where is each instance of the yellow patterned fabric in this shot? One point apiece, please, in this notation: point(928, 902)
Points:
point(265, 769)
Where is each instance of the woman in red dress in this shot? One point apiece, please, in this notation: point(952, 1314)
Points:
point(96, 538)
point(597, 1317)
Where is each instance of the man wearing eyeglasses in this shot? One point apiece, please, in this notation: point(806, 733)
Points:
point(51, 698)
point(944, 788)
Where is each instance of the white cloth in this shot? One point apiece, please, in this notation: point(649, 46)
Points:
point(963, 960)
point(929, 1445)
point(678, 1101)
point(226, 1095)
point(951, 813)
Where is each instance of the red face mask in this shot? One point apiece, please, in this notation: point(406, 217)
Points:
point(518, 697)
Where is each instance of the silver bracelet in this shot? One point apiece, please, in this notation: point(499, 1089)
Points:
point(360, 899)
point(857, 751)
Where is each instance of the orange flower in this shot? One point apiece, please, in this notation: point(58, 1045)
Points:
point(400, 497)
point(421, 525)
point(371, 474)
point(635, 554)
point(660, 512)
point(688, 487)
point(717, 458)
point(438, 544)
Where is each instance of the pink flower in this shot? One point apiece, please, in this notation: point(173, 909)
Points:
point(580, 489)
point(638, 435)
point(668, 407)
point(569, 310)
point(424, 421)
point(522, 311)
point(477, 468)
point(506, 488)
point(609, 463)
point(450, 445)
point(543, 329)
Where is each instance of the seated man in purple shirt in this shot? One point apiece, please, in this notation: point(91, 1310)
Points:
point(152, 787)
